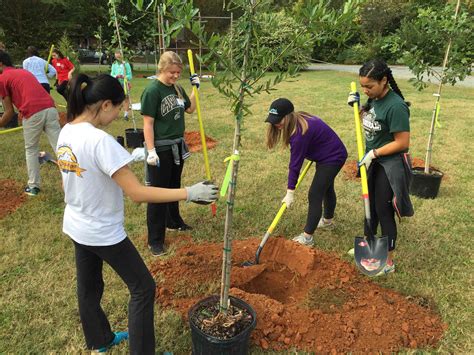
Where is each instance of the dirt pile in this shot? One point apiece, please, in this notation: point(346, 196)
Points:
point(11, 196)
point(193, 140)
point(304, 298)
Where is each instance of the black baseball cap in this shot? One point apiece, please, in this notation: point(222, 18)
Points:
point(279, 109)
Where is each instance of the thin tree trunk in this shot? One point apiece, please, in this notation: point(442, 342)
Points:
point(227, 252)
point(438, 98)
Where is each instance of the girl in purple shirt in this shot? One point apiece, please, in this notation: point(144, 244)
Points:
point(309, 138)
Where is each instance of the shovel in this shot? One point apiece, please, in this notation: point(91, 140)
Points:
point(370, 252)
point(44, 157)
point(275, 220)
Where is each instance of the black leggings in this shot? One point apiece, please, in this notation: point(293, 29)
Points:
point(127, 263)
point(381, 207)
point(322, 189)
point(160, 215)
point(63, 89)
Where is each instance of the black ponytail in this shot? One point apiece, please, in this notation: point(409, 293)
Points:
point(86, 91)
point(377, 69)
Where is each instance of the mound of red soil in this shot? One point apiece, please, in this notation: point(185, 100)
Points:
point(62, 119)
point(304, 298)
point(193, 140)
point(11, 196)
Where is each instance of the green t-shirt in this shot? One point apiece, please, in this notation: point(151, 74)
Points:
point(384, 118)
point(162, 102)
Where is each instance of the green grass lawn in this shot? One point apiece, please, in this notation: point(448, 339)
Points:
point(38, 307)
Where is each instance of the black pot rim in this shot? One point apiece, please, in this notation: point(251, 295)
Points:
point(132, 130)
point(421, 171)
point(213, 339)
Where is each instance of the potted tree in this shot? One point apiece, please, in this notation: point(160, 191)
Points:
point(240, 60)
point(415, 41)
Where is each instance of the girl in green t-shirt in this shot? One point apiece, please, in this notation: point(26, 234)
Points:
point(163, 104)
point(386, 122)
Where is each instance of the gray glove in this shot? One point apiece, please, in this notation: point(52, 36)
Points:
point(353, 98)
point(203, 193)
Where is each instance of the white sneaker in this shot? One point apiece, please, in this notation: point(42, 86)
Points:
point(323, 223)
point(302, 239)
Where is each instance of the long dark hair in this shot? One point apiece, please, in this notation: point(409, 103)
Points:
point(86, 91)
point(377, 69)
point(58, 52)
point(5, 59)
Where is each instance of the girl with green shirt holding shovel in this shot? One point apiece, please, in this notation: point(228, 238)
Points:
point(163, 104)
point(386, 124)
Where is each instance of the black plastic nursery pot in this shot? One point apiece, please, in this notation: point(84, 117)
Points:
point(134, 138)
point(204, 344)
point(425, 185)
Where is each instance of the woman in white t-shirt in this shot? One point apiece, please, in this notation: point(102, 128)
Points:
point(95, 174)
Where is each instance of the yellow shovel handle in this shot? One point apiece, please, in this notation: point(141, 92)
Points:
point(360, 144)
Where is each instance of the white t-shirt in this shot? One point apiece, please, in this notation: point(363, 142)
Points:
point(87, 158)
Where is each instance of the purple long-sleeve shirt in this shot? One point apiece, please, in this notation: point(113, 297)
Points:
point(320, 144)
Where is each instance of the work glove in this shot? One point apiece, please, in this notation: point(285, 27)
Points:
point(367, 159)
point(289, 198)
point(203, 193)
point(195, 80)
point(354, 97)
point(152, 158)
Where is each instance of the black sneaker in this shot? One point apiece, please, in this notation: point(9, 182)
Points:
point(157, 250)
point(182, 228)
point(32, 191)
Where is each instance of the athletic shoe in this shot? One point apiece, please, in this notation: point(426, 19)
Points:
point(323, 224)
point(182, 228)
point(157, 250)
point(302, 239)
point(125, 116)
point(32, 191)
point(388, 268)
point(351, 252)
point(119, 337)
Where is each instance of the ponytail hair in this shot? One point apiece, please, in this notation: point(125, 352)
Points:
point(377, 69)
point(86, 91)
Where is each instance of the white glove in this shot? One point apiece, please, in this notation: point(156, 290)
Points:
point(203, 193)
point(195, 80)
point(353, 98)
point(367, 159)
point(289, 198)
point(152, 158)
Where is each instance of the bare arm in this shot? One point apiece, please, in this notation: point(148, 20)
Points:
point(8, 111)
point(130, 185)
point(148, 132)
point(401, 143)
point(192, 99)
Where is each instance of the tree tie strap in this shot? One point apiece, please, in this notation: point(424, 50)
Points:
point(228, 173)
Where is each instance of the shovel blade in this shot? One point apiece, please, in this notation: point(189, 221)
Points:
point(371, 254)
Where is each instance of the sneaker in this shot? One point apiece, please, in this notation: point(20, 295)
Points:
point(302, 239)
point(125, 116)
point(182, 228)
point(324, 223)
point(119, 337)
point(157, 250)
point(32, 191)
point(388, 268)
point(351, 252)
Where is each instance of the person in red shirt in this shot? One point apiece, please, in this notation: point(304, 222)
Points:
point(20, 88)
point(64, 69)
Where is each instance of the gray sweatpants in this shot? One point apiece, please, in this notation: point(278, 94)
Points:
point(47, 121)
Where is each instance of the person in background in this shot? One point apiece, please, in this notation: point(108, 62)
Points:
point(64, 69)
point(18, 87)
point(37, 66)
point(386, 123)
point(95, 175)
point(163, 104)
point(123, 72)
point(309, 137)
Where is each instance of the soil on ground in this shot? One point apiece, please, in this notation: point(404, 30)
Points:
point(193, 140)
point(350, 168)
point(305, 298)
point(11, 196)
